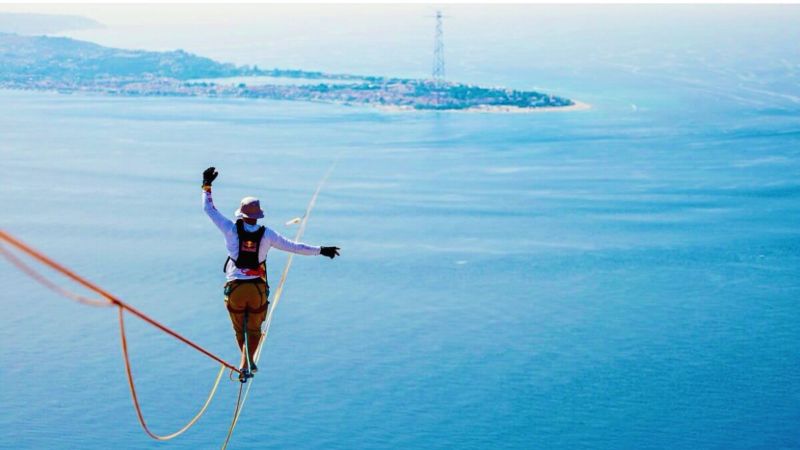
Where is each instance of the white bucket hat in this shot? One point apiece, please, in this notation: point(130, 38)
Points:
point(250, 208)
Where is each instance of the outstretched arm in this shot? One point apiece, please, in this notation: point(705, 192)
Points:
point(222, 222)
point(281, 243)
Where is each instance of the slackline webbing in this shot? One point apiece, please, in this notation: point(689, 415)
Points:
point(276, 298)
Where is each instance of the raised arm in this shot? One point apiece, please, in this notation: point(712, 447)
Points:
point(222, 222)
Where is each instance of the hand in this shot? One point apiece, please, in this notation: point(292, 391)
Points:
point(330, 252)
point(209, 175)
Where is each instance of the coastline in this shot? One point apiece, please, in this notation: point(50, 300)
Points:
point(492, 109)
point(576, 106)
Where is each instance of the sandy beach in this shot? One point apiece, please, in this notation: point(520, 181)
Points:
point(577, 106)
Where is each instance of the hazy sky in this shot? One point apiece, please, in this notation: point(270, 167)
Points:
point(481, 41)
point(164, 14)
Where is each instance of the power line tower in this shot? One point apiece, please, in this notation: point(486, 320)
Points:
point(438, 51)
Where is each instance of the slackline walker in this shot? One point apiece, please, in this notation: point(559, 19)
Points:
point(247, 290)
point(250, 356)
point(243, 392)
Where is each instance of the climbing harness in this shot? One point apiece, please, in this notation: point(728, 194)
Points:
point(109, 300)
point(235, 284)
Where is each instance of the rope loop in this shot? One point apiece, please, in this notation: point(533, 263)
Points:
point(109, 300)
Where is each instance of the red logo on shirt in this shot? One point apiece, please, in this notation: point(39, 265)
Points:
point(248, 246)
point(255, 272)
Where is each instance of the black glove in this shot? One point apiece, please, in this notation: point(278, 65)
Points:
point(330, 252)
point(209, 175)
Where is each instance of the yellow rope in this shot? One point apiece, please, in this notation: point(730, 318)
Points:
point(275, 300)
point(135, 399)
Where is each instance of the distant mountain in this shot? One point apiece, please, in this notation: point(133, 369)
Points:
point(65, 59)
point(22, 23)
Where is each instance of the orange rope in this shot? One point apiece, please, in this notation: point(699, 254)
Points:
point(122, 306)
point(93, 287)
point(48, 284)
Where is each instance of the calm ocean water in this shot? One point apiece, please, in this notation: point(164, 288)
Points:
point(623, 277)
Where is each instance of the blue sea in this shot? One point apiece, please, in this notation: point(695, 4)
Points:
point(624, 277)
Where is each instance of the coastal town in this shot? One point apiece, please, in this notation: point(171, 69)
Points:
point(70, 66)
point(403, 93)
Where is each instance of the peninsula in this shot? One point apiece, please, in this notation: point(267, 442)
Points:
point(67, 65)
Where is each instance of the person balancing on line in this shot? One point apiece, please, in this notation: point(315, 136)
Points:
point(246, 289)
